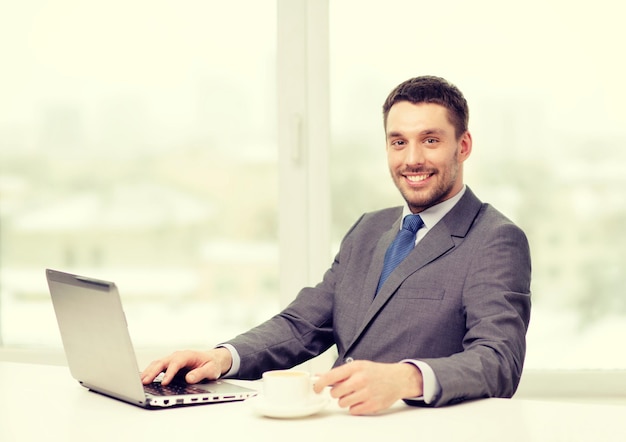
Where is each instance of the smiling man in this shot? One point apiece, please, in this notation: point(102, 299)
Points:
point(428, 302)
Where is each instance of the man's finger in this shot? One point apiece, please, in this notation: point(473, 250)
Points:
point(152, 371)
point(208, 370)
point(173, 368)
point(333, 377)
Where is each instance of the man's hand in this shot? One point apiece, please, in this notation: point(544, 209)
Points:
point(367, 387)
point(201, 365)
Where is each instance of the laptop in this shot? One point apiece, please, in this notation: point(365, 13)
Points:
point(100, 354)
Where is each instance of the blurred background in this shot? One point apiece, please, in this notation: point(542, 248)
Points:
point(138, 143)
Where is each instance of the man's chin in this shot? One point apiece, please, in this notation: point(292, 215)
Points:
point(420, 200)
point(418, 203)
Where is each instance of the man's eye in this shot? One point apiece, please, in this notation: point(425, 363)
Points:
point(398, 143)
point(431, 140)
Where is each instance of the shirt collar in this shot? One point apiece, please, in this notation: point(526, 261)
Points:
point(433, 215)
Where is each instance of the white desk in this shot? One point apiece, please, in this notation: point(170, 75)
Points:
point(43, 403)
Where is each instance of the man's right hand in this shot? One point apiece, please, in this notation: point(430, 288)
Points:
point(201, 365)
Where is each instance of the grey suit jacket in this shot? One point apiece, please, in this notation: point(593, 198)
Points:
point(460, 302)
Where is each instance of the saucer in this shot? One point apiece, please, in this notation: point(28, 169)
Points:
point(261, 406)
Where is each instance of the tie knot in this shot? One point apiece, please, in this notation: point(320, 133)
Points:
point(412, 223)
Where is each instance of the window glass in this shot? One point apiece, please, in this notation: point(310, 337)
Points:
point(544, 83)
point(138, 144)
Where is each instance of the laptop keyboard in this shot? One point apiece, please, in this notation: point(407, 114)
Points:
point(157, 389)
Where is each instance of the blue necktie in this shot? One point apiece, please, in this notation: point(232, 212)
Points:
point(401, 246)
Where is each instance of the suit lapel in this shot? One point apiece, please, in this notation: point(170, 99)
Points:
point(437, 242)
point(378, 260)
point(376, 266)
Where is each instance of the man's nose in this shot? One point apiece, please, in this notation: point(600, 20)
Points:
point(414, 154)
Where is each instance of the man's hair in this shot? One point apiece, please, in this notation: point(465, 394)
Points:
point(430, 89)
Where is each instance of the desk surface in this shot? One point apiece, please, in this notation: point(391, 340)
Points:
point(40, 402)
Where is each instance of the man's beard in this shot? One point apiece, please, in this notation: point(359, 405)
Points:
point(423, 199)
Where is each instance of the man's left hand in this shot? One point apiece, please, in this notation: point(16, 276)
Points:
point(367, 387)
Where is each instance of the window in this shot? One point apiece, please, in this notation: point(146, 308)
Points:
point(138, 144)
point(545, 90)
point(134, 135)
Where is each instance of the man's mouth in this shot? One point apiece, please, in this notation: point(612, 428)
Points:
point(417, 178)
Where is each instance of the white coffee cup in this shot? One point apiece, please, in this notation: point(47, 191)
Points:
point(288, 387)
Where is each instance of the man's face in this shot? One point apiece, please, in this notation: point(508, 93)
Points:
point(424, 155)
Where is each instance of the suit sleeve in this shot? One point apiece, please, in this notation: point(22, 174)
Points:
point(303, 330)
point(496, 304)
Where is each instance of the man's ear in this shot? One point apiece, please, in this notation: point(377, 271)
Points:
point(465, 144)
